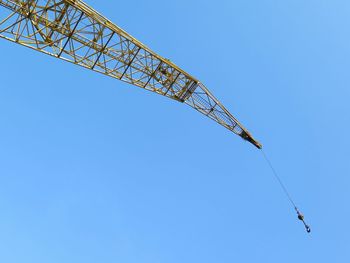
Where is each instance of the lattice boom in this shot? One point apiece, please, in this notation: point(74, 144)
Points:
point(71, 30)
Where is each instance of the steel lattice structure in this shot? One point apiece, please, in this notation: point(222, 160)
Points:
point(71, 30)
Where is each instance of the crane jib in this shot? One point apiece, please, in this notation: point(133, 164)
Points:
point(72, 31)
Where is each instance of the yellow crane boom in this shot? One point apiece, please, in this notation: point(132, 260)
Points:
point(71, 30)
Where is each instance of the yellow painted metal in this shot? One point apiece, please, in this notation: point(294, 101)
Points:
point(72, 31)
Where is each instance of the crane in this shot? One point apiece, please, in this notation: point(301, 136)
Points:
point(72, 31)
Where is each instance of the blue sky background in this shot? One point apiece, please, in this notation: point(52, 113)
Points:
point(95, 170)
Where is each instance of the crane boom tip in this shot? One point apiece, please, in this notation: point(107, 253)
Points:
point(247, 137)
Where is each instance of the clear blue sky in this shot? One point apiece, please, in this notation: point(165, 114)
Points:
point(95, 170)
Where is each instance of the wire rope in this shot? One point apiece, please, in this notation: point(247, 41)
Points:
point(285, 190)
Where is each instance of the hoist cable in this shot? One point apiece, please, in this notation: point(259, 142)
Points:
point(285, 190)
point(279, 180)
